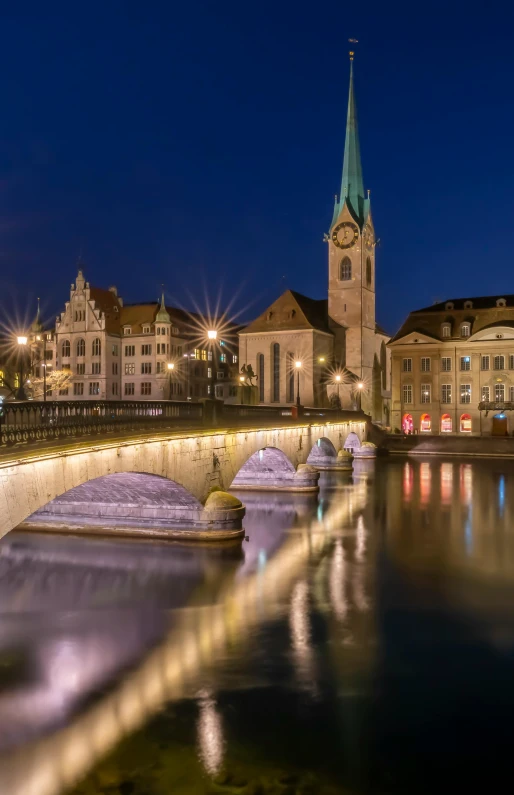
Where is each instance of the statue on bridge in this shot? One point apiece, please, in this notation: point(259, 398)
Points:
point(248, 373)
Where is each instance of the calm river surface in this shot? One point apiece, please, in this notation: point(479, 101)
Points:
point(360, 641)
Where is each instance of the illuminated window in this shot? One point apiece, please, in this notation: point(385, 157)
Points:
point(130, 368)
point(486, 392)
point(407, 365)
point(425, 425)
point(499, 362)
point(407, 423)
point(425, 364)
point(345, 270)
point(499, 393)
point(465, 423)
point(204, 355)
point(276, 372)
point(290, 377)
point(446, 423)
point(2, 376)
point(223, 357)
point(465, 393)
point(426, 393)
point(485, 362)
point(446, 393)
point(209, 372)
point(234, 359)
point(465, 362)
point(65, 349)
point(196, 353)
point(81, 347)
point(446, 364)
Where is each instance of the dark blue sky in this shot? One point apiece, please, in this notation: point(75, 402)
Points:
point(200, 145)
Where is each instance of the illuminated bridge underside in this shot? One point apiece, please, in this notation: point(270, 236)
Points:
point(197, 463)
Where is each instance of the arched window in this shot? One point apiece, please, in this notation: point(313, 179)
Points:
point(290, 377)
point(465, 330)
point(368, 272)
point(465, 423)
point(345, 269)
point(407, 423)
point(260, 371)
point(425, 425)
point(65, 349)
point(81, 347)
point(276, 372)
point(446, 330)
point(97, 347)
point(446, 423)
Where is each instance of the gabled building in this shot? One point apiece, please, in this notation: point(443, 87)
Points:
point(453, 368)
point(339, 348)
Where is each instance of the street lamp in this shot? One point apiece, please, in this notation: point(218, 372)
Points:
point(298, 366)
point(38, 339)
point(212, 335)
point(171, 367)
point(242, 381)
point(20, 392)
point(338, 382)
point(360, 387)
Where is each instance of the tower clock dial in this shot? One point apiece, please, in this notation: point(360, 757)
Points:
point(345, 235)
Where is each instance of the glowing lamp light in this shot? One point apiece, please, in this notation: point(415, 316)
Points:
point(360, 385)
point(321, 358)
point(171, 366)
point(241, 378)
point(22, 340)
point(297, 365)
point(338, 378)
point(212, 334)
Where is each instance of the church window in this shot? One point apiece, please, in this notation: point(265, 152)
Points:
point(81, 347)
point(499, 362)
point(65, 349)
point(96, 347)
point(290, 377)
point(276, 372)
point(260, 369)
point(368, 272)
point(345, 270)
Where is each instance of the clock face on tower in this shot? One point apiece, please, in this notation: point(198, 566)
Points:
point(345, 235)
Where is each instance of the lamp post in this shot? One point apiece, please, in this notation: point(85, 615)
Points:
point(242, 381)
point(43, 338)
point(20, 392)
point(188, 357)
point(360, 387)
point(171, 367)
point(298, 366)
point(338, 382)
point(212, 335)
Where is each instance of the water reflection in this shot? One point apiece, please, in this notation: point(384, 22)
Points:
point(210, 735)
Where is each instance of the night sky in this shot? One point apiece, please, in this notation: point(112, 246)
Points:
point(200, 144)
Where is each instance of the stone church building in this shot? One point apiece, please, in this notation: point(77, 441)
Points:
point(330, 347)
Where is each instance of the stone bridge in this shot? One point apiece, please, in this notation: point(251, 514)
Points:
point(196, 462)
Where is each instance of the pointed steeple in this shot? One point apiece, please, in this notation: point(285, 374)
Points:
point(352, 184)
point(36, 323)
point(162, 315)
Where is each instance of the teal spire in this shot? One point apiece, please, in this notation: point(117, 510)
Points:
point(162, 315)
point(352, 183)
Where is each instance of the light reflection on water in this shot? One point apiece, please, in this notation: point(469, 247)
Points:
point(374, 623)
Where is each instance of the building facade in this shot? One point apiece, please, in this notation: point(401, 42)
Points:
point(453, 368)
point(331, 350)
point(146, 351)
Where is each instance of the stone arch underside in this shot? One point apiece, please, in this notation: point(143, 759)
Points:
point(322, 449)
point(196, 463)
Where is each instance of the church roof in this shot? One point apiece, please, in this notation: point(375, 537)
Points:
point(292, 311)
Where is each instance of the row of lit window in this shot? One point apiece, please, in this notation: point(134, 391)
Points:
point(425, 424)
point(465, 363)
point(465, 393)
point(160, 331)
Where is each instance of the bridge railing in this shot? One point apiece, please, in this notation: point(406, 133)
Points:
point(23, 422)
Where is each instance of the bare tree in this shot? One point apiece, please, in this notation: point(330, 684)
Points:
point(55, 379)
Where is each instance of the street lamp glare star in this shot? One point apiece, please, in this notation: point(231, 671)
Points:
point(241, 378)
point(360, 385)
point(22, 340)
point(338, 378)
point(212, 334)
point(297, 364)
point(171, 366)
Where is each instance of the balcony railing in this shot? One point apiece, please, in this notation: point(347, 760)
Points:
point(496, 405)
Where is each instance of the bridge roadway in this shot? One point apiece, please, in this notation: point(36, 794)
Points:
point(196, 459)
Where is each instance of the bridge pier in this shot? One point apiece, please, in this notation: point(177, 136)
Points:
point(269, 469)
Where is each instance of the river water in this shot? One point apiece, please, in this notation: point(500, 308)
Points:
point(359, 641)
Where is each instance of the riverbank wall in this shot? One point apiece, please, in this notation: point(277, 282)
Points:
point(473, 446)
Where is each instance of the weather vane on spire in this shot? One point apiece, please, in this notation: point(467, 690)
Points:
point(352, 53)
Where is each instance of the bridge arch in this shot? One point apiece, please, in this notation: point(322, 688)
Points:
point(28, 481)
point(322, 450)
point(352, 442)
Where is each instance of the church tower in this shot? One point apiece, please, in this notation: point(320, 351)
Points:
point(351, 264)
